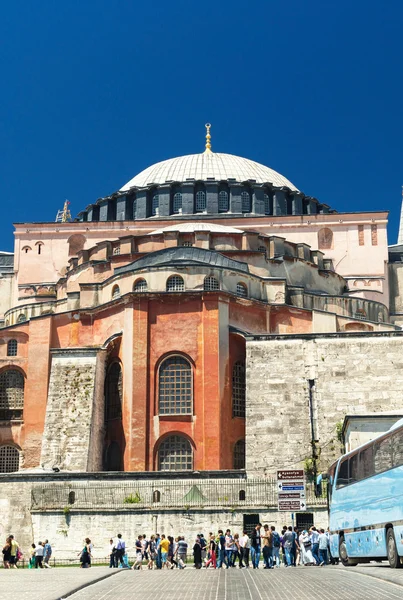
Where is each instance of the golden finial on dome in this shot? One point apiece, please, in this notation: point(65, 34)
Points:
point(208, 137)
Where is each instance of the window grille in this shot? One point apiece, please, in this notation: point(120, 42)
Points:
point(238, 389)
point(266, 204)
point(223, 205)
point(9, 459)
point(175, 387)
point(360, 314)
point(239, 456)
point(134, 207)
point(116, 250)
point(140, 286)
point(262, 249)
point(113, 392)
point(11, 395)
point(156, 496)
point(177, 203)
point(241, 290)
point(21, 318)
point(200, 201)
point(115, 291)
point(155, 205)
point(12, 348)
point(175, 284)
point(175, 454)
point(245, 200)
point(211, 284)
point(187, 244)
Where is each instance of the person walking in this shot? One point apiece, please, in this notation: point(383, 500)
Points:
point(111, 552)
point(323, 544)
point(203, 544)
point(164, 545)
point(14, 552)
point(288, 541)
point(305, 542)
point(221, 549)
point(31, 564)
point(244, 548)
point(267, 548)
point(276, 546)
point(138, 563)
point(212, 553)
point(158, 560)
point(313, 532)
point(7, 553)
point(47, 553)
point(197, 553)
point(152, 552)
point(182, 551)
point(120, 546)
point(39, 551)
point(256, 544)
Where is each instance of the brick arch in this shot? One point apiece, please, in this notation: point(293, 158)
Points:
point(164, 438)
point(76, 243)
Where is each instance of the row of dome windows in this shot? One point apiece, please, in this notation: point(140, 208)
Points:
point(176, 283)
point(201, 203)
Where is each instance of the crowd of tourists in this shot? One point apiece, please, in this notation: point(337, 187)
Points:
point(227, 550)
point(222, 550)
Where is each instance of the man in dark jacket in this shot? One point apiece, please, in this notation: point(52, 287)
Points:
point(256, 545)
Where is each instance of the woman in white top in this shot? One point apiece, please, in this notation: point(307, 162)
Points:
point(244, 543)
point(305, 543)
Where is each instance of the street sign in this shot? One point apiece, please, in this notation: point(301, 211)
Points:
point(291, 490)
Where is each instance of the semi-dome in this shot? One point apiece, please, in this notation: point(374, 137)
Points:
point(208, 165)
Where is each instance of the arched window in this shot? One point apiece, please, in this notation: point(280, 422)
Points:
point(266, 204)
point(9, 459)
point(12, 348)
point(155, 204)
point(72, 497)
point(140, 286)
point(175, 454)
point(211, 284)
point(26, 249)
point(245, 200)
point(223, 205)
point(156, 496)
point(11, 394)
point(113, 392)
point(325, 239)
point(238, 389)
point(241, 290)
point(175, 386)
point(239, 455)
point(115, 292)
point(116, 250)
point(177, 203)
point(200, 201)
point(242, 495)
point(39, 246)
point(175, 284)
point(21, 318)
point(186, 244)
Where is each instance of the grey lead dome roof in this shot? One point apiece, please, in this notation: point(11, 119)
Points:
point(208, 165)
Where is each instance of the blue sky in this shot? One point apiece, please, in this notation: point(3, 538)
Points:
point(94, 91)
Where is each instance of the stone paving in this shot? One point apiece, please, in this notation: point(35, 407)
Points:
point(302, 583)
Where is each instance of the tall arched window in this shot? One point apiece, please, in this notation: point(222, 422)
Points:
point(245, 200)
point(200, 201)
point(211, 284)
point(175, 454)
point(9, 459)
point(325, 239)
point(175, 386)
point(113, 392)
point(239, 455)
point(175, 284)
point(155, 204)
point(134, 207)
point(11, 394)
point(266, 204)
point(238, 389)
point(223, 205)
point(177, 203)
point(241, 290)
point(12, 348)
point(115, 292)
point(140, 286)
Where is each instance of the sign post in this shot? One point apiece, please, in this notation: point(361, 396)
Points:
point(291, 490)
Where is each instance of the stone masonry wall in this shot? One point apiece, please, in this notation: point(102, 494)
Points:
point(350, 374)
point(69, 411)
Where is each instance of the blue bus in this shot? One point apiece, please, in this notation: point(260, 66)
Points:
point(365, 496)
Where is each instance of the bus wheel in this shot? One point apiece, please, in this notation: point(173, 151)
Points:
point(393, 557)
point(345, 560)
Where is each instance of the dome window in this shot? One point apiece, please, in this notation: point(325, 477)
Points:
point(211, 284)
point(223, 205)
point(21, 318)
point(241, 290)
point(115, 292)
point(177, 203)
point(140, 286)
point(175, 284)
point(12, 348)
point(155, 204)
point(200, 201)
point(245, 200)
point(266, 204)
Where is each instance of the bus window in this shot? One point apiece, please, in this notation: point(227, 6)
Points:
point(354, 476)
point(367, 462)
point(383, 455)
point(397, 449)
point(342, 476)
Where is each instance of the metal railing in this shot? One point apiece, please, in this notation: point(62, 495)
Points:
point(185, 494)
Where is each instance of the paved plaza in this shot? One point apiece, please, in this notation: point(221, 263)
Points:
point(302, 583)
